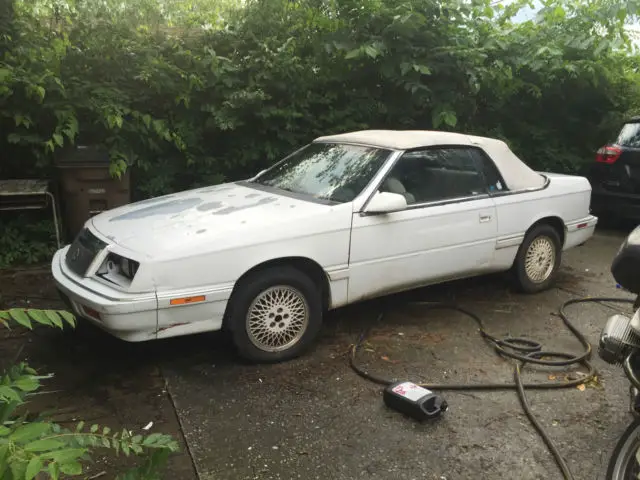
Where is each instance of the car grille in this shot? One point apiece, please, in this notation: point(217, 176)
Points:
point(82, 252)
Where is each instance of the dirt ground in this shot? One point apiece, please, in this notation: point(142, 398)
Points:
point(313, 418)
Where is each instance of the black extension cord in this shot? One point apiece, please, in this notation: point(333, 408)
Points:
point(522, 350)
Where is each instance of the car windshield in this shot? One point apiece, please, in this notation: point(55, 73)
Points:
point(326, 171)
point(629, 135)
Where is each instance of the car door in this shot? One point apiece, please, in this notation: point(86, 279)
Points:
point(448, 229)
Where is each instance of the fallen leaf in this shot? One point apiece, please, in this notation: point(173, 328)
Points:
point(581, 387)
point(387, 359)
point(552, 377)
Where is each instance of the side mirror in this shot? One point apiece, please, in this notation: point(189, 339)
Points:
point(386, 202)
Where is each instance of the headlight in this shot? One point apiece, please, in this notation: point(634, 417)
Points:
point(118, 269)
point(617, 340)
point(128, 267)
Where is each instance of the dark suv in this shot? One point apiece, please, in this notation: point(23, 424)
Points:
point(615, 175)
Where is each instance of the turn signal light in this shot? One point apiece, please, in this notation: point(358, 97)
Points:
point(187, 300)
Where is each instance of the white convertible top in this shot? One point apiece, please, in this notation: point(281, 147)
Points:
point(516, 173)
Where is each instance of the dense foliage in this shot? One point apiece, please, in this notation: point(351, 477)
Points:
point(34, 447)
point(201, 91)
point(25, 239)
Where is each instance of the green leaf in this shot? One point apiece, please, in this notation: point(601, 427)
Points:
point(353, 53)
point(371, 51)
point(40, 317)
point(94, 428)
point(33, 467)
point(4, 453)
point(18, 468)
point(5, 73)
point(40, 91)
point(66, 455)
point(29, 431)
point(53, 316)
point(559, 12)
point(450, 119)
point(71, 468)
point(54, 470)
point(80, 426)
point(68, 317)
point(20, 317)
point(27, 384)
point(4, 431)
point(44, 445)
point(13, 138)
point(4, 316)
point(58, 139)
point(10, 394)
point(151, 439)
point(423, 69)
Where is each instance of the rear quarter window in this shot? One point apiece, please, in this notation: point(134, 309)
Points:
point(629, 135)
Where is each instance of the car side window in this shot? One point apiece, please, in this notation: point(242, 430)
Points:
point(494, 181)
point(435, 174)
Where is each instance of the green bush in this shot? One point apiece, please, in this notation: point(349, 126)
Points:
point(29, 447)
point(192, 93)
point(25, 240)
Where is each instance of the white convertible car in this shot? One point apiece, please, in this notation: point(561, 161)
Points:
point(346, 218)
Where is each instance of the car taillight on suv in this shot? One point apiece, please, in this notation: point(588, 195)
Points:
point(615, 175)
point(608, 154)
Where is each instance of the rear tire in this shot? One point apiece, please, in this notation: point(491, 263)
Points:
point(538, 259)
point(623, 463)
point(275, 315)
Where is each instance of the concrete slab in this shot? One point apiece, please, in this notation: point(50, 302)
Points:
point(313, 418)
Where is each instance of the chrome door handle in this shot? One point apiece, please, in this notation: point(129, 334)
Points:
point(485, 218)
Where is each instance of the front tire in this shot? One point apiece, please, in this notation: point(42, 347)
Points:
point(538, 259)
point(275, 315)
point(623, 463)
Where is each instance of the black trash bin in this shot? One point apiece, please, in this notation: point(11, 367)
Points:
point(87, 188)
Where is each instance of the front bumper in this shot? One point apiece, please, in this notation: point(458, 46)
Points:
point(130, 317)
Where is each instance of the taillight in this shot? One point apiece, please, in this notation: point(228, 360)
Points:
point(608, 154)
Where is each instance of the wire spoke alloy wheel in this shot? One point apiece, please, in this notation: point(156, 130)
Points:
point(277, 318)
point(540, 259)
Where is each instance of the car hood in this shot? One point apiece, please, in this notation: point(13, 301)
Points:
point(173, 222)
